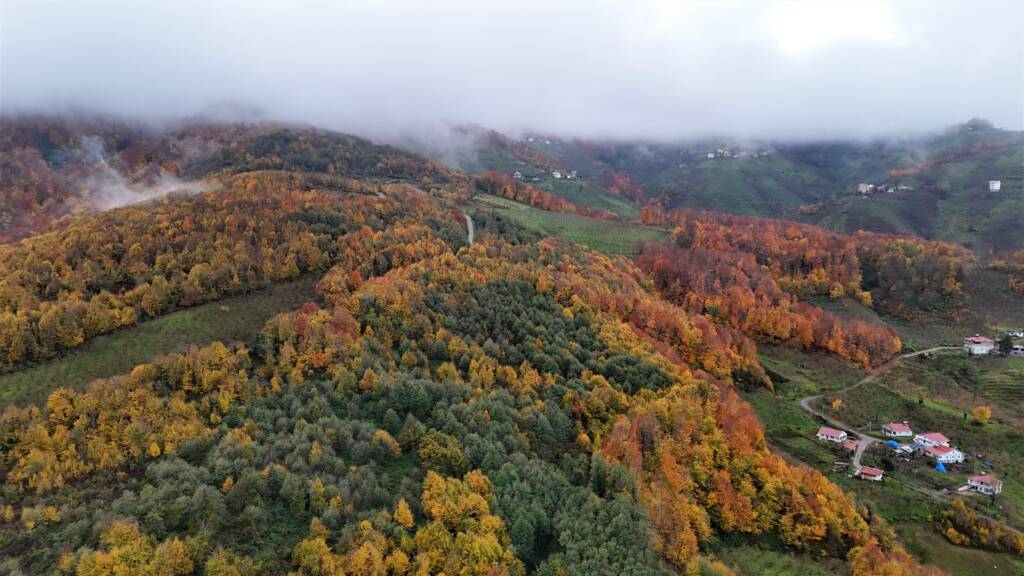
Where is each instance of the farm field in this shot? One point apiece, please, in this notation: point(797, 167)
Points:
point(615, 238)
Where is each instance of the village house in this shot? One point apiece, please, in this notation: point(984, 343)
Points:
point(865, 188)
point(517, 175)
point(849, 445)
point(979, 345)
point(929, 439)
point(985, 484)
point(995, 185)
point(869, 473)
point(711, 155)
point(897, 430)
point(1018, 351)
point(945, 454)
point(556, 175)
point(831, 434)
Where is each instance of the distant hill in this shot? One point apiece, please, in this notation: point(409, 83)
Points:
point(937, 180)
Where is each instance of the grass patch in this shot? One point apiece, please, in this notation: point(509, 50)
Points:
point(757, 558)
point(615, 238)
point(237, 318)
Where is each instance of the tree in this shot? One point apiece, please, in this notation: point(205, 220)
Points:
point(981, 414)
point(1006, 345)
point(403, 515)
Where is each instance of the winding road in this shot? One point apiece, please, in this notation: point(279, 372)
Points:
point(469, 228)
point(863, 440)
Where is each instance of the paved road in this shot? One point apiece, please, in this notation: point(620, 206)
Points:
point(469, 227)
point(863, 440)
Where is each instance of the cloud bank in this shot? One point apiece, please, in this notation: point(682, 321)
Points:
point(658, 70)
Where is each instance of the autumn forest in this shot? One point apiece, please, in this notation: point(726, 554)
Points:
point(515, 405)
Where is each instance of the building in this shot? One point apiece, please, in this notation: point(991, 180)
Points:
point(985, 484)
point(995, 185)
point(865, 188)
point(897, 430)
point(517, 175)
point(1018, 351)
point(572, 175)
point(849, 445)
point(930, 439)
point(869, 473)
point(978, 345)
point(711, 155)
point(945, 454)
point(831, 434)
point(556, 175)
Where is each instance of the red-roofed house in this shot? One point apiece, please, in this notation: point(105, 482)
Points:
point(849, 445)
point(945, 454)
point(897, 430)
point(985, 484)
point(978, 345)
point(831, 434)
point(869, 473)
point(929, 439)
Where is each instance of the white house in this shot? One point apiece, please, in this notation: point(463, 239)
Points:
point(864, 187)
point(985, 484)
point(517, 175)
point(931, 439)
point(711, 155)
point(945, 454)
point(869, 473)
point(831, 434)
point(1018, 351)
point(897, 430)
point(995, 185)
point(556, 175)
point(978, 345)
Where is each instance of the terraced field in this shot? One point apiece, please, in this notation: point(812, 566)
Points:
point(1005, 385)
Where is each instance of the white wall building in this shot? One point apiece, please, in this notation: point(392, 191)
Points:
point(979, 345)
point(831, 434)
point(897, 430)
point(995, 185)
point(945, 454)
point(931, 439)
point(985, 484)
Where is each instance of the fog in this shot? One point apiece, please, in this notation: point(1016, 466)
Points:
point(651, 70)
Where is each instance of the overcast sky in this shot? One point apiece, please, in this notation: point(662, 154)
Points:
point(586, 68)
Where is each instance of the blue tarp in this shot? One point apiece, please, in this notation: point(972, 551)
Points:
point(940, 468)
point(892, 443)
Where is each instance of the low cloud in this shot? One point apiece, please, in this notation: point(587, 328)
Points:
point(658, 70)
point(107, 188)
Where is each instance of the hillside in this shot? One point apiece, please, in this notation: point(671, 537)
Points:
point(438, 406)
point(938, 180)
point(56, 168)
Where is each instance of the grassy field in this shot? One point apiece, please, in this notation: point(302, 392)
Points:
point(237, 318)
point(613, 238)
point(759, 559)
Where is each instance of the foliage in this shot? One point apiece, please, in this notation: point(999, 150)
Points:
point(965, 527)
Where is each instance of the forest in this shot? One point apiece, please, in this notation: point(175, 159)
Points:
point(520, 405)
